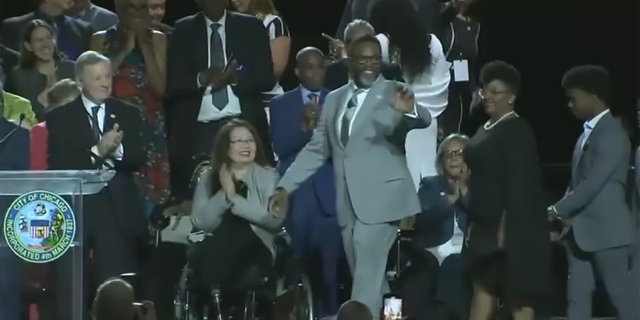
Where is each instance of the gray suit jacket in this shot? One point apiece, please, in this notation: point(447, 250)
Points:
point(208, 210)
point(595, 202)
point(29, 83)
point(371, 170)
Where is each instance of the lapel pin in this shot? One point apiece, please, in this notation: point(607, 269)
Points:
point(442, 194)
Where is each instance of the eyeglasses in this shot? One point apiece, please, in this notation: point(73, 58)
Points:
point(366, 60)
point(486, 93)
point(453, 154)
point(241, 141)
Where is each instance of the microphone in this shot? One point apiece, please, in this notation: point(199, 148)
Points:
point(22, 116)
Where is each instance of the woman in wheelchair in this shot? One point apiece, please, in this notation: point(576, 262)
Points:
point(230, 205)
point(435, 286)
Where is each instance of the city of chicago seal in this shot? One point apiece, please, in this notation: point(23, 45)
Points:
point(39, 226)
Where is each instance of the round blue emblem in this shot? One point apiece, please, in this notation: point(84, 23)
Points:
point(39, 226)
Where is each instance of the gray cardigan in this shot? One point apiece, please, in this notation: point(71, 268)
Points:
point(261, 182)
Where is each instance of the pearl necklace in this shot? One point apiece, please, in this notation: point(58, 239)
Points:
point(488, 125)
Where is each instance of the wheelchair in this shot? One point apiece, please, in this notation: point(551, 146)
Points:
point(281, 291)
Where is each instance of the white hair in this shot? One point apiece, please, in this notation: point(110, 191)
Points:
point(89, 58)
point(357, 25)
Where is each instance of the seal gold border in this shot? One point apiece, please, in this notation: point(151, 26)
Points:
point(60, 248)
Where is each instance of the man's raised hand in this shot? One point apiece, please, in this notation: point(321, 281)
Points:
point(404, 100)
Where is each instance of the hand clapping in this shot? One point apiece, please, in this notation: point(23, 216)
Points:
point(110, 141)
point(311, 115)
point(404, 100)
point(217, 78)
point(226, 181)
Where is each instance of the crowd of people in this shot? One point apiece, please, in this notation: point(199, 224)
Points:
point(402, 129)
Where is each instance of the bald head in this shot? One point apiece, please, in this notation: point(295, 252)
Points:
point(310, 68)
point(307, 52)
point(114, 301)
point(354, 310)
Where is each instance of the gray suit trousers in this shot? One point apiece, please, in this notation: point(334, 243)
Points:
point(369, 245)
point(612, 267)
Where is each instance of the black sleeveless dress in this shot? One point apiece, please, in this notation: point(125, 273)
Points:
point(507, 182)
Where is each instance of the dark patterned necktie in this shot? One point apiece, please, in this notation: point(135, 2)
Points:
point(95, 124)
point(241, 188)
point(348, 116)
point(220, 97)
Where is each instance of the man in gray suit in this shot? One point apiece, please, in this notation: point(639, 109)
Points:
point(362, 128)
point(594, 206)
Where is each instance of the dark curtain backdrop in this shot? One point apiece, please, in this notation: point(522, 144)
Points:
point(542, 38)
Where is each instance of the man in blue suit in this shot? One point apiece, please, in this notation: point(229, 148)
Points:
point(312, 220)
point(14, 155)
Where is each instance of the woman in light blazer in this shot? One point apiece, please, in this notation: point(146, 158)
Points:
point(231, 204)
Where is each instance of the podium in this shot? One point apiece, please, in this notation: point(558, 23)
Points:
point(42, 222)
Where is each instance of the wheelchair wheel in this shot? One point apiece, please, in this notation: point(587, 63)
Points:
point(302, 296)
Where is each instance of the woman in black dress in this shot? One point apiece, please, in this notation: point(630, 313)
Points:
point(508, 245)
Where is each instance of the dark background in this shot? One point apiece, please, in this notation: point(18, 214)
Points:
point(542, 38)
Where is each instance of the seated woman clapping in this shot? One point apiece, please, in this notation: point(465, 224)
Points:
point(230, 203)
point(436, 285)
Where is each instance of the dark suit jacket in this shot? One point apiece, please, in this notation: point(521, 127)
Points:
point(14, 151)
point(434, 225)
point(286, 114)
point(247, 41)
point(337, 74)
point(75, 35)
point(8, 58)
point(70, 140)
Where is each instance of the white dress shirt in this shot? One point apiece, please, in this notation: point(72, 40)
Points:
point(209, 112)
point(453, 246)
point(589, 125)
point(118, 154)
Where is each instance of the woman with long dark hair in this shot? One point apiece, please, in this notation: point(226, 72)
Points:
point(41, 66)
point(138, 60)
point(231, 203)
point(425, 69)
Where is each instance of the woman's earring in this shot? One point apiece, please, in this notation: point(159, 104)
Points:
point(511, 101)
